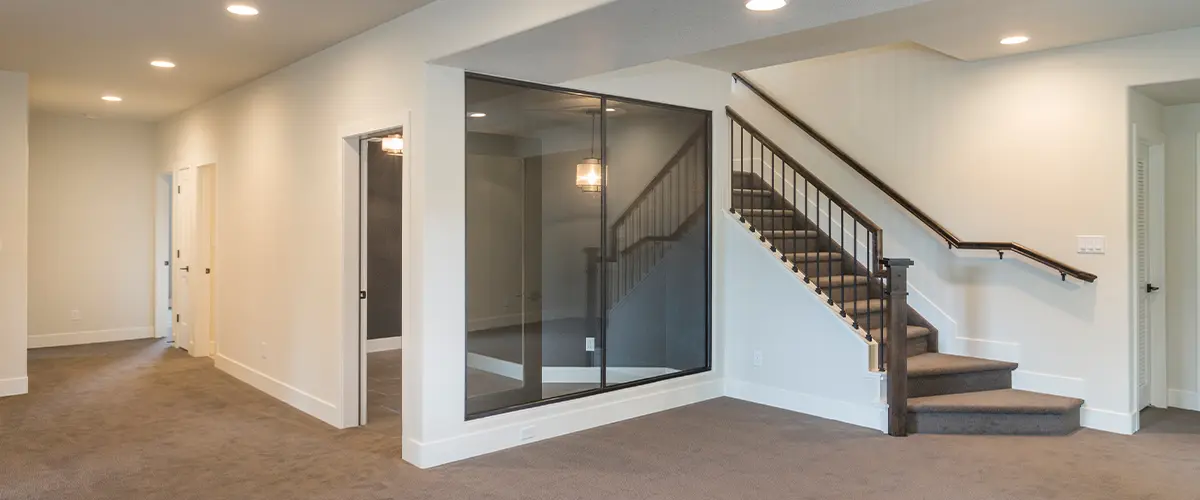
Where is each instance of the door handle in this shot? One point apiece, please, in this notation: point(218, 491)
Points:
point(1151, 288)
point(186, 269)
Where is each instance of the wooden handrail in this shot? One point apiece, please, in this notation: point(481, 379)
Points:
point(951, 239)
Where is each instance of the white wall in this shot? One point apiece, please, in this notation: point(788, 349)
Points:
point(14, 196)
point(811, 360)
point(91, 229)
point(1182, 124)
point(280, 306)
point(1033, 149)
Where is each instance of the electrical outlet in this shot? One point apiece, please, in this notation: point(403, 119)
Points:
point(527, 433)
point(75, 315)
point(1093, 245)
point(590, 344)
point(758, 358)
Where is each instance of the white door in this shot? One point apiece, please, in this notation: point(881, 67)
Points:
point(1150, 268)
point(203, 341)
point(185, 230)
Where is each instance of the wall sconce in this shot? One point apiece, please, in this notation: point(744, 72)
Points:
point(393, 145)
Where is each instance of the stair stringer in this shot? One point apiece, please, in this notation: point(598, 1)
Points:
point(784, 348)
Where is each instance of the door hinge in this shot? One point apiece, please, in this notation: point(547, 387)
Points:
point(178, 190)
point(362, 294)
point(177, 254)
point(176, 318)
point(207, 271)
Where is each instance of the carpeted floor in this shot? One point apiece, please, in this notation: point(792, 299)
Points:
point(136, 421)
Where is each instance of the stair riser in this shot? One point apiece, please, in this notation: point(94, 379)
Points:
point(741, 181)
point(821, 268)
point(744, 201)
point(994, 423)
point(797, 245)
point(776, 222)
point(937, 385)
point(852, 293)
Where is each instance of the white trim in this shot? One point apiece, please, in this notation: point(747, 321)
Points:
point(14, 386)
point(385, 344)
point(485, 436)
point(871, 416)
point(1197, 332)
point(498, 366)
point(303, 401)
point(90, 337)
point(1108, 421)
point(1186, 400)
point(1058, 385)
point(353, 344)
point(990, 349)
point(566, 374)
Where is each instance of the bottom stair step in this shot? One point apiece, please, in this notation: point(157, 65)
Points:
point(1006, 411)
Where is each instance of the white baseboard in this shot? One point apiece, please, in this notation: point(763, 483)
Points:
point(92, 337)
point(496, 433)
point(303, 401)
point(1186, 400)
point(496, 365)
point(14, 386)
point(1058, 385)
point(385, 344)
point(565, 374)
point(989, 349)
point(1108, 421)
point(869, 415)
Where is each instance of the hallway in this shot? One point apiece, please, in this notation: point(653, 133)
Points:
point(115, 421)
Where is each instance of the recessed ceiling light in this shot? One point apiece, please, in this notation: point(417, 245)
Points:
point(242, 9)
point(161, 63)
point(111, 98)
point(611, 110)
point(1014, 40)
point(762, 5)
point(476, 114)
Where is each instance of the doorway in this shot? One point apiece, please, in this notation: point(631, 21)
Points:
point(1149, 169)
point(164, 190)
point(381, 278)
point(191, 288)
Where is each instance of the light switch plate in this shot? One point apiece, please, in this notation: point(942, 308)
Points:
point(1091, 244)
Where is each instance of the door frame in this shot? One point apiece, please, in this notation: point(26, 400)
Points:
point(354, 335)
point(1156, 248)
point(164, 189)
point(202, 335)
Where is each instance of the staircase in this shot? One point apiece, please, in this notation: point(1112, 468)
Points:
point(837, 251)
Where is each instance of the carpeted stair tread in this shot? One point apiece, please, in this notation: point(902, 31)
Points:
point(930, 364)
point(999, 401)
point(914, 332)
point(841, 280)
point(863, 306)
point(789, 233)
point(814, 256)
point(752, 192)
point(754, 212)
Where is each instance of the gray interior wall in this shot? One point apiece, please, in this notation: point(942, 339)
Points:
point(384, 243)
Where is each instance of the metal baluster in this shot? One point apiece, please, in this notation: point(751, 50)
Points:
point(829, 228)
point(854, 277)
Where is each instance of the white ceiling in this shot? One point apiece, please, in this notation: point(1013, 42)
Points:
point(76, 51)
point(1173, 93)
point(722, 34)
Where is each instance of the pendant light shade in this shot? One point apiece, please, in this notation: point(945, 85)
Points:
point(587, 175)
point(393, 145)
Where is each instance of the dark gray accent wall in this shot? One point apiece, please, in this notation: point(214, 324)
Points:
point(384, 243)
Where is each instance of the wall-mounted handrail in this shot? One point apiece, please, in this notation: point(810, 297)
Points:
point(951, 239)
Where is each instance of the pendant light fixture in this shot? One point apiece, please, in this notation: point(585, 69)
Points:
point(393, 145)
point(587, 173)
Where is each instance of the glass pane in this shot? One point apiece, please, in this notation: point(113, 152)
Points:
point(532, 283)
point(658, 212)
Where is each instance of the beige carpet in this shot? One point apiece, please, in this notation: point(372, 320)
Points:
point(135, 421)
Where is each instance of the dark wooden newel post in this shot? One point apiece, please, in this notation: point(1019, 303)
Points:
point(895, 340)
